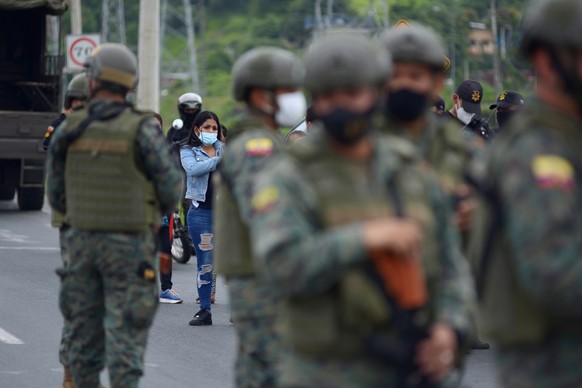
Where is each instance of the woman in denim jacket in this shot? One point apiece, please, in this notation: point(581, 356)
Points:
point(200, 159)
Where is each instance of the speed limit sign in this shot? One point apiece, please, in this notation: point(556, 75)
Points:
point(79, 47)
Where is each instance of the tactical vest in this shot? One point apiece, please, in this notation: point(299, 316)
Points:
point(338, 322)
point(232, 249)
point(58, 218)
point(447, 153)
point(508, 315)
point(442, 145)
point(106, 187)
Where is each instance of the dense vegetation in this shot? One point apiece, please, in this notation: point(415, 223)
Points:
point(230, 27)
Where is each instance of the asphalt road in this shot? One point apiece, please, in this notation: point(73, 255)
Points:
point(178, 355)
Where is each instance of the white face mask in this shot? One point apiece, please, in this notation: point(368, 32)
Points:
point(292, 107)
point(464, 116)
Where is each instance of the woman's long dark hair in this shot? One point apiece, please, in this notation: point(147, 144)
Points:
point(198, 121)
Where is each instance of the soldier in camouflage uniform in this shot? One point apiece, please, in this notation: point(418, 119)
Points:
point(266, 79)
point(341, 213)
point(528, 249)
point(110, 172)
point(418, 79)
point(75, 98)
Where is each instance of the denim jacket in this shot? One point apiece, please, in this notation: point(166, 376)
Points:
point(198, 165)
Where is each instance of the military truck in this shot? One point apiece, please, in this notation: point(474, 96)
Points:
point(31, 64)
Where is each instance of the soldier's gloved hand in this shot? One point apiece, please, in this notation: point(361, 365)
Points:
point(435, 355)
point(401, 236)
point(465, 207)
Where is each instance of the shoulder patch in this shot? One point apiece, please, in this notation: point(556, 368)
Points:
point(553, 172)
point(49, 131)
point(259, 147)
point(265, 199)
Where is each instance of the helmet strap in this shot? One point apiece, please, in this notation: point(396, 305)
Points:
point(568, 74)
point(266, 111)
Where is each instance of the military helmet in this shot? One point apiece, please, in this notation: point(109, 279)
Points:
point(415, 43)
point(77, 88)
point(555, 23)
point(343, 61)
point(113, 64)
point(268, 68)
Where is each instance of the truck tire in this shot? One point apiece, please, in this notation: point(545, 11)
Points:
point(30, 198)
point(7, 193)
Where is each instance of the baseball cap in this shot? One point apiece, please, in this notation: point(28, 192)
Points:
point(471, 92)
point(439, 103)
point(508, 99)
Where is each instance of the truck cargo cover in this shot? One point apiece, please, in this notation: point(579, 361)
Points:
point(56, 7)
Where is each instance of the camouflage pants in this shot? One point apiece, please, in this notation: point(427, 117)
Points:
point(258, 352)
point(553, 364)
point(66, 333)
point(309, 371)
point(109, 296)
point(253, 305)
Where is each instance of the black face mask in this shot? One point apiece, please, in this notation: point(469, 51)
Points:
point(406, 105)
point(346, 127)
point(504, 117)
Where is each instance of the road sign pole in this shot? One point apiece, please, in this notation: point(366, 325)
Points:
point(148, 91)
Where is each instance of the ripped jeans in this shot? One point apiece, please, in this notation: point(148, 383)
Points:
point(200, 230)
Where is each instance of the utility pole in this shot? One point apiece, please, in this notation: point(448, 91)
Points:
point(318, 17)
point(386, 13)
point(148, 91)
point(113, 21)
point(496, 62)
point(329, 13)
point(178, 29)
point(76, 18)
point(202, 70)
point(192, 44)
point(453, 43)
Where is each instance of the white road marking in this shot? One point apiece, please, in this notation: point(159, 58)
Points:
point(10, 236)
point(8, 338)
point(30, 249)
point(11, 372)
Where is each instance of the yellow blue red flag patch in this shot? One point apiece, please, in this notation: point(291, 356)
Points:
point(553, 172)
point(259, 147)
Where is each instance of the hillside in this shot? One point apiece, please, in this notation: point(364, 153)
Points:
point(231, 27)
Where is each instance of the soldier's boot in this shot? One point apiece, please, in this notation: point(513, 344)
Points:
point(68, 379)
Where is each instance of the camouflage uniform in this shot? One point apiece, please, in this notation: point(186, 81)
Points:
point(77, 89)
point(442, 146)
point(532, 277)
point(306, 214)
point(109, 292)
point(275, 73)
point(251, 147)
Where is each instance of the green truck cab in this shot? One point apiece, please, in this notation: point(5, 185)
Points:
point(31, 64)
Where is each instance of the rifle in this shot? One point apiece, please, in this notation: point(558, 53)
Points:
point(410, 322)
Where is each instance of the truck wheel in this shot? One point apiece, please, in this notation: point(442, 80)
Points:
point(30, 198)
point(7, 193)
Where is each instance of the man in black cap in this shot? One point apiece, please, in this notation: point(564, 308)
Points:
point(438, 106)
point(508, 104)
point(467, 108)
